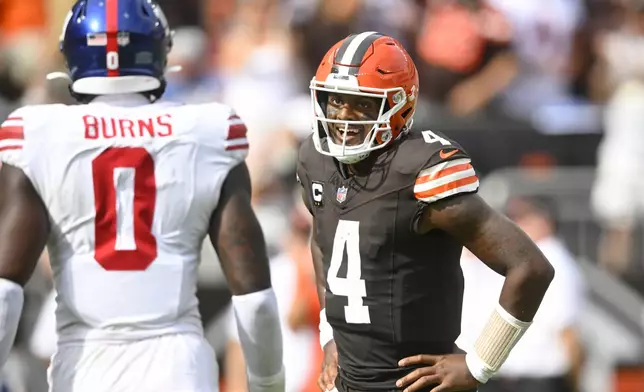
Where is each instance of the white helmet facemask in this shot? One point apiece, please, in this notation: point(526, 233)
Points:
point(380, 132)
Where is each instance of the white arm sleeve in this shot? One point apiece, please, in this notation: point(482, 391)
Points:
point(43, 339)
point(11, 300)
point(260, 335)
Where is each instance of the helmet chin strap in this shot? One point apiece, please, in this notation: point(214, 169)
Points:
point(347, 159)
point(351, 159)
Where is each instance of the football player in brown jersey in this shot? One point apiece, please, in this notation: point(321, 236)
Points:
point(393, 208)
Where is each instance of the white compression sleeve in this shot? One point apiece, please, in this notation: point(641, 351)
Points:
point(260, 337)
point(11, 300)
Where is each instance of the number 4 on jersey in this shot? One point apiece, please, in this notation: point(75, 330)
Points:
point(430, 137)
point(355, 289)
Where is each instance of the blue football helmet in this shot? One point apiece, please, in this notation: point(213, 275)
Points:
point(116, 47)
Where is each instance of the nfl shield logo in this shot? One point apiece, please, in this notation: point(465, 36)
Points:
point(341, 194)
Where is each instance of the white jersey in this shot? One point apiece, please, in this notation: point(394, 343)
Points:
point(130, 188)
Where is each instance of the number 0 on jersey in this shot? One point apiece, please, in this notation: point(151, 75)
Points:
point(124, 196)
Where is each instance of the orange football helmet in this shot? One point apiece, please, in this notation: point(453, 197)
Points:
point(368, 64)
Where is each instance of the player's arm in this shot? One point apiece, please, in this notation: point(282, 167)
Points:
point(326, 381)
point(238, 239)
point(326, 332)
point(24, 229)
point(318, 266)
point(506, 249)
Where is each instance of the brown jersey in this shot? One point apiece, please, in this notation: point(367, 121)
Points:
point(391, 292)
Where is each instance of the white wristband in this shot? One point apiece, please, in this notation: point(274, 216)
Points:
point(478, 369)
point(260, 336)
point(326, 332)
point(493, 346)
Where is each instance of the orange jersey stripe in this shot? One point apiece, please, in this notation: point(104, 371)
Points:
point(11, 132)
point(442, 173)
point(444, 188)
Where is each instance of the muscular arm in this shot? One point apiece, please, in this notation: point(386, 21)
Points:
point(501, 245)
point(237, 236)
point(318, 265)
point(24, 228)
point(326, 382)
point(238, 239)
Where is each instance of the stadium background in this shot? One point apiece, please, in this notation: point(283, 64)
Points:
point(546, 96)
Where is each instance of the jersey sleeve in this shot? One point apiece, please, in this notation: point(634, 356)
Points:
point(12, 139)
point(235, 144)
point(448, 172)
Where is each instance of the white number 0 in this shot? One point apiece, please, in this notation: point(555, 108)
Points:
point(431, 137)
point(112, 61)
point(352, 286)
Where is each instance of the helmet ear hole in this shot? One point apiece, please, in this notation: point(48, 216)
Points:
point(145, 11)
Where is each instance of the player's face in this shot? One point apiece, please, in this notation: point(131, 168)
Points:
point(351, 107)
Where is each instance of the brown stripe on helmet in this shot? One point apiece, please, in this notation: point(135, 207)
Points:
point(343, 48)
point(356, 60)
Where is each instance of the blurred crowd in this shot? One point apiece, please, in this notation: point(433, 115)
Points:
point(549, 67)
